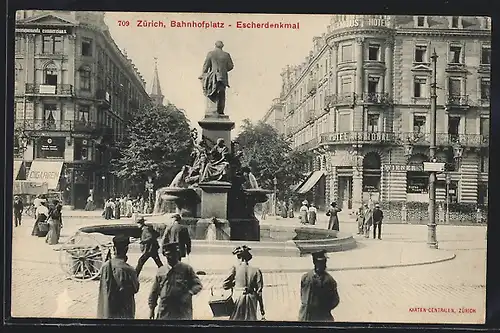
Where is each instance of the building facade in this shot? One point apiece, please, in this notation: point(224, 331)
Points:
point(275, 116)
point(361, 102)
point(74, 90)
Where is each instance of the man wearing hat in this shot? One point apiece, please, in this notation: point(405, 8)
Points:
point(149, 245)
point(178, 233)
point(318, 292)
point(378, 216)
point(18, 210)
point(118, 284)
point(174, 285)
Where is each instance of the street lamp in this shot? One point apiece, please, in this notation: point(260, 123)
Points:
point(431, 236)
point(275, 182)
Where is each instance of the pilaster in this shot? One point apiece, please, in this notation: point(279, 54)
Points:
point(357, 186)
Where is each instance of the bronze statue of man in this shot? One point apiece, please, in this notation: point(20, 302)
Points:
point(215, 76)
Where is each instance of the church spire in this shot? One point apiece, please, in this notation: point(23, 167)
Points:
point(156, 94)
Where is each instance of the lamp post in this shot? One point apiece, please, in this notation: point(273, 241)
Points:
point(431, 236)
point(275, 199)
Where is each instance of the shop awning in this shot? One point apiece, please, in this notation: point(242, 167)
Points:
point(17, 167)
point(45, 172)
point(27, 187)
point(295, 187)
point(311, 181)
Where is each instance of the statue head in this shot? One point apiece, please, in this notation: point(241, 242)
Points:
point(219, 44)
point(220, 142)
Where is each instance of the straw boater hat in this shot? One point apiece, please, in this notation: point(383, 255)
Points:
point(304, 202)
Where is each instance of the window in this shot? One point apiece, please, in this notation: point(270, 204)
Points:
point(49, 121)
point(87, 48)
point(346, 53)
point(346, 85)
point(372, 85)
point(484, 126)
point(485, 89)
point(374, 52)
point(421, 53)
point(85, 78)
point(455, 21)
point(19, 46)
point(420, 21)
point(419, 87)
point(373, 120)
point(417, 182)
point(83, 114)
point(419, 123)
point(485, 55)
point(52, 44)
point(454, 86)
point(455, 54)
point(453, 125)
point(51, 74)
point(484, 163)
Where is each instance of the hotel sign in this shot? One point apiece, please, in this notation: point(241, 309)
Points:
point(360, 23)
point(402, 167)
point(50, 31)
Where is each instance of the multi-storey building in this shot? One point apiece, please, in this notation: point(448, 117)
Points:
point(361, 101)
point(274, 116)
point(73, 91)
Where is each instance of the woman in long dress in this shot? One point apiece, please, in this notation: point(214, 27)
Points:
point(212, 231)
point(333, 222)
point(118, 208)
point(312, 214)
point(41, 213)
point(247, 284)
point(303, 213)
point(108, 210)
point(55, 223)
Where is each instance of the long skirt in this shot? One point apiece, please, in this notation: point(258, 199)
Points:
point(333, 224)
point(117, 213)
point(303, 217)
point(89, 206)
point(245, 308)
point(54, 232)
point(108, 213)
point(312, 218)
point(36, 230)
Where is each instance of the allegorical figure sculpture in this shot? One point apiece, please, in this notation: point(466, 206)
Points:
point(217, 167)
point(214, 77)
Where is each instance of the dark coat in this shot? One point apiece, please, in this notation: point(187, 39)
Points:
point(177, 233)
point(117, 288)
point(319, 297)
point(378, 216)
point(149, 239)
point(220, 63)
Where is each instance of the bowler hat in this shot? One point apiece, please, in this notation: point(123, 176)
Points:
point(121, 240)
point(170, 247)
point(177, 217)
point(141, 220)
point(320, 255)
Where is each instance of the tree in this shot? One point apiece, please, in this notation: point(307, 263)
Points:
point(157, 144)
point(269, 155)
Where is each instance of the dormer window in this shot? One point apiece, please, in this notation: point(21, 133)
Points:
point(455, 22)
point(421, 21)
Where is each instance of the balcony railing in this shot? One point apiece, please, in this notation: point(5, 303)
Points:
point(49, 90)
point(308, 145)
point(445, 139)
point(340, 99)
point(360, 137)
point(103, 97)
point(376, 98)
point(457, 100)
point(66, 125)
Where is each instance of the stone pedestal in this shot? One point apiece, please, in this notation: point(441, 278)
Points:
point(214, 200)
point(216, 126)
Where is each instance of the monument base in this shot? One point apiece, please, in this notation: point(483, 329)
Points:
point(245, 230)
point(214, 200)
point(215, 126)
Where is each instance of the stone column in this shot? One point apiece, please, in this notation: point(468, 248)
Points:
point(359, 109)
point(388, 58)
point(333, 185)
point(357, 186)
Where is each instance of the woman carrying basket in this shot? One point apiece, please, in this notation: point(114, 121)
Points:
point(247, 284)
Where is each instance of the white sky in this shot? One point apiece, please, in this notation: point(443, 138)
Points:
point(258, 54)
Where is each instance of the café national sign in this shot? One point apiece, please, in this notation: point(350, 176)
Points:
point(49, 31)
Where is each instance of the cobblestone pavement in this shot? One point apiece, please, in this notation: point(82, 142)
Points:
point(39, 288)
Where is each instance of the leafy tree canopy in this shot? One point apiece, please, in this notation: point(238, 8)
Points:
point(270, 155)
point(157, 143)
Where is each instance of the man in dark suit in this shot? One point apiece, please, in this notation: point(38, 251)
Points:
point(215, 75)
point(378, 216)
point(149, 245)
point(177, 233)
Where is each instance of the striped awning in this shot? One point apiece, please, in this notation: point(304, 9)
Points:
point(311, 181)
point(17, 167)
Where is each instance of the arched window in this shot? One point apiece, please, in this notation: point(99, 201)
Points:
point(85, 75)
point(371, 172)
point(417, 181)
point(50, 73)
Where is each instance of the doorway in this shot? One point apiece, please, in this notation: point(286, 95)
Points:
point(345, 192)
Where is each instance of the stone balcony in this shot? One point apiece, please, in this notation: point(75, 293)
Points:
point(57, 126)
point(358, 137)
point(59, 90)
point(445, 139)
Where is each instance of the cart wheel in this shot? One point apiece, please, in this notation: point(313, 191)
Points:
point(82, 256)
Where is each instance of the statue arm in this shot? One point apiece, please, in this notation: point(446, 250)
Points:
point(207, 65)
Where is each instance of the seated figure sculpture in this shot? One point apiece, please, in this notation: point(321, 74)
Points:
point(217, 166)
point(180, 179)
